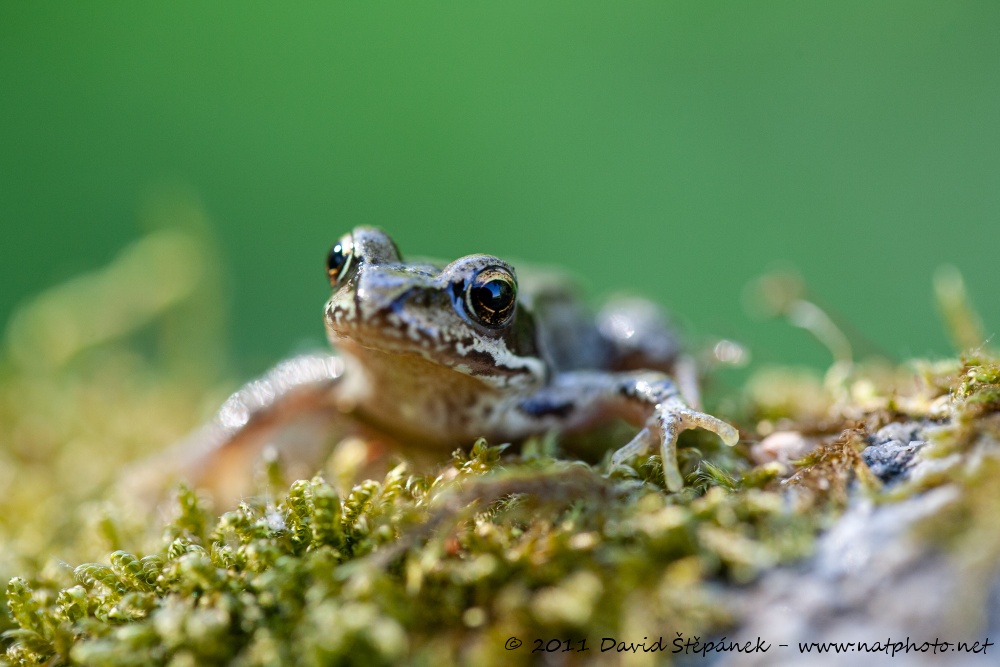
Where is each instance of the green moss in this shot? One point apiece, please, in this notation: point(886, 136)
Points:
point(433, 568)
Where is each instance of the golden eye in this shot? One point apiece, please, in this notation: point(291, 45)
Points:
point(491, 296)
point(338, 260)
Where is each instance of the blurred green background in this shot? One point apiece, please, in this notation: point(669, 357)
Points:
point(677, 149)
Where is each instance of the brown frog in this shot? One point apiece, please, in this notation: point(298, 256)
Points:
point(438, 356)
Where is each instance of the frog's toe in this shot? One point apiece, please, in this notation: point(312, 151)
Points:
point(679, 417)
point(729, 435)
point(640, 444)
point(670, 427)
point(672, 474)
point(726, 432)
point(644, 441)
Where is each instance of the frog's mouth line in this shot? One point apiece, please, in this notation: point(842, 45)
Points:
point(458, 355)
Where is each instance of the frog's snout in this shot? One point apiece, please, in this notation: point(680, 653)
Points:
point(385, 291)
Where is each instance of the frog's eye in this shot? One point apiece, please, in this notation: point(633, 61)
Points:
point(338, 261)
point(490, 297)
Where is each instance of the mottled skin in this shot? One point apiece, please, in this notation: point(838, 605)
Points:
point(439, 356)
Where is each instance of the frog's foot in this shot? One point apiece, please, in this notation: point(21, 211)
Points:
point(670, 418)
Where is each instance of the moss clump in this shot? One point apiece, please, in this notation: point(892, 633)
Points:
point(435, 569)
point(976, 393)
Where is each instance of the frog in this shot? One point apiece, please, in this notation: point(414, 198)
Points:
point(432, 356)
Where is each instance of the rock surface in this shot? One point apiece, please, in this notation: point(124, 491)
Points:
point(875, 578)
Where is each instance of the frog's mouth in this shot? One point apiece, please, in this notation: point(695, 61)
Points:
point(456, 348)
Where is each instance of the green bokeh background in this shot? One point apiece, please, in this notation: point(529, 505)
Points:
point(678, 149)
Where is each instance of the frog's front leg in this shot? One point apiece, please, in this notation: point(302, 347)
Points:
point(648, 399)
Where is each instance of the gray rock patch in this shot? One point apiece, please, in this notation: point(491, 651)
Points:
point(891, 452)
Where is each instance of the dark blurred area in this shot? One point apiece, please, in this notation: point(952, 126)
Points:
point(673, 149)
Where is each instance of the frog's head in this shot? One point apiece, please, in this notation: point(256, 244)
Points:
point(464, 316)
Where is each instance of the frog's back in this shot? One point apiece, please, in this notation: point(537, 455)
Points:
point(627, 333)
point(566, 331)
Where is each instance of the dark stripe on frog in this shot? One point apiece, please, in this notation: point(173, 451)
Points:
point(661, 389)
point(544, 406)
